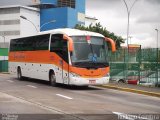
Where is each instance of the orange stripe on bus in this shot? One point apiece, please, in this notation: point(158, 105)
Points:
point(101, 72)
point(47, 57)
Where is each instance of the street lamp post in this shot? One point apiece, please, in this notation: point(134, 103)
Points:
point(128, 20)
point(4, 39)
point(130, 39)
point(52, 21)
point(157, 37)
point(157, 55)
point(23, 17)
point(128, 15)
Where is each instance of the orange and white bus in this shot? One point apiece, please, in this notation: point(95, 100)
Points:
point(67, 56)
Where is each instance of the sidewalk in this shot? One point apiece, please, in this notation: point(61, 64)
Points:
point(145, 90)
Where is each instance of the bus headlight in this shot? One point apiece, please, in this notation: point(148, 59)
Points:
point(75, 75)
point(107, 75)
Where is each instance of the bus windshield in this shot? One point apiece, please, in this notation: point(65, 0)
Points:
point(90, 55)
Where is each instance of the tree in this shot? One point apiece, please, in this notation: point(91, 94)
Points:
point(102, 30)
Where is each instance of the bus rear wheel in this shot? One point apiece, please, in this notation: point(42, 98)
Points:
point(52, 79)
point(19, 74)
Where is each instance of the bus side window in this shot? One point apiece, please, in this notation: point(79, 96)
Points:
point(59, 46)
point(42, 42)
point(56, 43)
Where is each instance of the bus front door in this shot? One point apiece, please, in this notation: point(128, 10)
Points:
point(65, 65)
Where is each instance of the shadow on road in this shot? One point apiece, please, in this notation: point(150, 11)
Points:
point(72, 87)
point(62, 86)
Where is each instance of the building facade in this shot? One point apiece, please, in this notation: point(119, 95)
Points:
point(37, 15)
point(12, 25)
point(41, 15)
point(66, 13)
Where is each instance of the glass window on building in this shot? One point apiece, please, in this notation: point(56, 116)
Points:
point(66, 3)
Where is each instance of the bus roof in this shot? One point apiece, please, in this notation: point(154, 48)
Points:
point(67, 31)
point(72, 32)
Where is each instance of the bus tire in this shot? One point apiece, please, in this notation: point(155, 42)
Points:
point(52, 79)
point(121, 81)
point(19, 73)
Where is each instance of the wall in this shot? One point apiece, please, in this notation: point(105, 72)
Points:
point(80, 6)
point(66, 17)
point(27, 28)
point(72, 18)
point(9, 23)
point(49, 1)
point(57, 14)
point(3, 59)
point(12, 26)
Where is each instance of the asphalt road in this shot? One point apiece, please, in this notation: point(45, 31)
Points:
point(35, 99)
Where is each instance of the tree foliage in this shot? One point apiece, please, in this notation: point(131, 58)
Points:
point(102, 30)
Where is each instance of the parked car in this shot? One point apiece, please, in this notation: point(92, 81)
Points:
point(123, 76)
point(134, 79)
point(151, 79)
point(130, 76)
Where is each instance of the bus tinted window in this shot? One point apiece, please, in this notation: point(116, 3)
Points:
point(40, 42)
point(56, 42)
point(59, 46)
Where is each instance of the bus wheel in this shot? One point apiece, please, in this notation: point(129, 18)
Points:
point(52, 79)
point(121, 81)
point(19, 74)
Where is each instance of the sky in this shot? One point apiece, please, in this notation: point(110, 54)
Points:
point(144, 19)
point(112, 14)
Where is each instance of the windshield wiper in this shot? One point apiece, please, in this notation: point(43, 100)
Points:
point(87, 65)
point(102, 64)
point(90, 64)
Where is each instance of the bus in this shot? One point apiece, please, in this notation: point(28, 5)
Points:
point(66, 56)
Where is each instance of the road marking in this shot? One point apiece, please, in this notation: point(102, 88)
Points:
point(21, 99)
point(64, 96)
point(129, 117)
point(31, 86)
point(10, 81)
point(43, 106)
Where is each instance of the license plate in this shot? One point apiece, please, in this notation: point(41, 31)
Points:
point(92, 81)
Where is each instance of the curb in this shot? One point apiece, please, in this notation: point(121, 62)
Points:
point(4, 73)
point(132, 90)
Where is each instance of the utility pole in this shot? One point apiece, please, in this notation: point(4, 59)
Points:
point(52, 21)
point(128, 25)
point(157, 56)
point(23, 17)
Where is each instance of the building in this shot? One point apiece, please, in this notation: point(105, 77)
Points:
point(66, 13)
point(38, 15)
point(41, 15)
point(12, 25)
point(90, 20)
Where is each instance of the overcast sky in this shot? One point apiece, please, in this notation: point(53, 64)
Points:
point(112, 14)
point(144, 18)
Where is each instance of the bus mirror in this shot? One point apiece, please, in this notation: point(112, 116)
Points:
point(113, 45)
point(70, 42)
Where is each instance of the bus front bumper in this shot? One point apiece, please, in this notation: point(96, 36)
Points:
point(79, 81)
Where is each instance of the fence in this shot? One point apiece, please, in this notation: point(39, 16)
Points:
point(3, 59)
point(136, 65)
point(4, 66)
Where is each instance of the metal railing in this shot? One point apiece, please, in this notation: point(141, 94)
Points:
point(143, 66)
